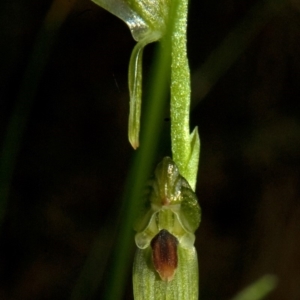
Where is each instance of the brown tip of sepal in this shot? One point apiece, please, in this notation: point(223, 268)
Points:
point(134, 144)
point(164, 254)
point(133, 138)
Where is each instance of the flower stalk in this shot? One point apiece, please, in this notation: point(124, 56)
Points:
point(185, 145)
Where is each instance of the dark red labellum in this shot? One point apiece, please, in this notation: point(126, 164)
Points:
point(164, 254)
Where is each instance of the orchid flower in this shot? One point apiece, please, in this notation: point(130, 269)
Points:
point(165, 264)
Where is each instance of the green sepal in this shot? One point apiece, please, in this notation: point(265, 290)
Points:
point(147, 21)
point(147, 285)
point(135, 89)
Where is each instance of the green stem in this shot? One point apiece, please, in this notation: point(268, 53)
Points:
point(185, 146)
point(180, 88)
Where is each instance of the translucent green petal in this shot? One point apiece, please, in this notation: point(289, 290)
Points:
point(144, 237)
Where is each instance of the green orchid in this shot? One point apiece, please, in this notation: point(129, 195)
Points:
point(165, 263)
point(147, 21)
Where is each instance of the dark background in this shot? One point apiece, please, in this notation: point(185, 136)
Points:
point(74, 156)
